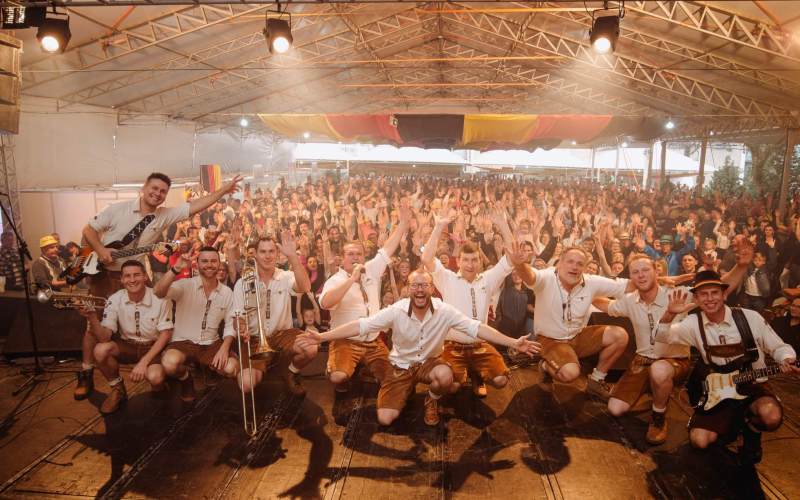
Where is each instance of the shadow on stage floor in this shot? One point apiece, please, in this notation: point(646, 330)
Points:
point(520, 442)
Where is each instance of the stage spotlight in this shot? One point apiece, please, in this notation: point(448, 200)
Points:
point(306, 135)
point(604, 34)
point(54, 35)
point(279, 36)
point(243, 122)
point(670, 125)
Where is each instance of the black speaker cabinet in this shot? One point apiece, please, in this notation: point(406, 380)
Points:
point(57, 330)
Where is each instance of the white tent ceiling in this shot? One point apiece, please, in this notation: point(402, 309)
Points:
point(733, 67)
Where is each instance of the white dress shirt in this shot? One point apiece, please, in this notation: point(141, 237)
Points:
point(561, 315)
point(117, 220)
point(197, 317)
point(471, 299)
point(688, 332)
point(352, 306)
point(138, 321)
point(279, 304)
point(414, 341)
point(645, 320)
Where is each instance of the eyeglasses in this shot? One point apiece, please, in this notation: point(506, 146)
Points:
point(419, 286)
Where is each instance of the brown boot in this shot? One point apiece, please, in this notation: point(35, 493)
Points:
point(343, 387)
point(188, 393)
point(598, 389)
point(431, 410)
point(115, 398)
point(85, 385)
point(657, 430)
point(210, 376)
point(478, 386)
point(294, 381)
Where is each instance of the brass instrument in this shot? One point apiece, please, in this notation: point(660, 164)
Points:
point(250, 286)
point(45, 293)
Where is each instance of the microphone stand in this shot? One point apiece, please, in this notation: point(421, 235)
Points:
point(22, 250)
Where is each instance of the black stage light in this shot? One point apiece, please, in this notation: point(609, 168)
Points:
point(54, 35)
point(279, 36)
point(604, 34)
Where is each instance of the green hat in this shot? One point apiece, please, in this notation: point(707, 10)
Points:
point(666, 239)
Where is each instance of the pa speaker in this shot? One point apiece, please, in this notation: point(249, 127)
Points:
point(10, 82)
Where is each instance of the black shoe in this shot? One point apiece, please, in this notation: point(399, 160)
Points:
point(750, 451)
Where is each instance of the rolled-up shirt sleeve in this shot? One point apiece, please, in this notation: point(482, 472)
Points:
point(462, 323)
point(165, 316)
point(377, 323)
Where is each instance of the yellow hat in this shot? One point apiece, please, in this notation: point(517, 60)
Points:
point(47, 241)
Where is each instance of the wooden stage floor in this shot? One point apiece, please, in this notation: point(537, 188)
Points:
point(520, 442)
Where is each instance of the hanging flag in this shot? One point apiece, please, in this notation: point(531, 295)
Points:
point(210, 178)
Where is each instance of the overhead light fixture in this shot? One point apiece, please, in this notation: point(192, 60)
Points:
point(710, 132)
point(306, 135)
point(604, 34)
point(54, 34)
point(243, 122)
point(279, 36)
point(574, 143)
point(624, 144)
point(127, 184)
point(670, 125)
point(413, 166)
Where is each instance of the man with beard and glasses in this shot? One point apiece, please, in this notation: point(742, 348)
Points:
point(714, 333)
point(276, 288)
point(470, 291)
point(419, 325)
point(144, 322)
point(564, 297)
point(137, 223)
point(657, 367)
point(202, 303)
point(353, 293)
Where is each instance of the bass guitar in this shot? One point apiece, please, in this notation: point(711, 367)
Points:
point(709, 385)
point(87, 262)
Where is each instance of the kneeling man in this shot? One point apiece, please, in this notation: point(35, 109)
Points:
point(419, 325)
point(144, 322)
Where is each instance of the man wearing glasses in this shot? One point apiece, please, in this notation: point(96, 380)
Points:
point(470, 291)
point(202, 303)
point(353, 293)
point(657, 366)
point(419, 325)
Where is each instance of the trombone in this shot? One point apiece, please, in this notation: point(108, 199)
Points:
point(250, 286)
point(45, 293)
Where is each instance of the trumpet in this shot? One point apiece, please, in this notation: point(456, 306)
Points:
point(263, 351)
point(45, 293)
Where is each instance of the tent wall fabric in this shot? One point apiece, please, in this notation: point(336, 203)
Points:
point(478, 132)
point(83, 147)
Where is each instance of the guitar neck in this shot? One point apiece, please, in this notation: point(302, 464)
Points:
point(131, 251)
point(751, 375)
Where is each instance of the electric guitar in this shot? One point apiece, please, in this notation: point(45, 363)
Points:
point(87, 262)
point(709, 385)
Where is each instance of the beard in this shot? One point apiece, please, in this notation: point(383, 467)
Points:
point(570, 280)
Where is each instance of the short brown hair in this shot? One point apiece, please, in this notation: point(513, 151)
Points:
point(470, 248)
point(265, 237)
point(162, 177)
point(641, 256)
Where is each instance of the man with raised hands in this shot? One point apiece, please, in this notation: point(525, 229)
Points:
point(470, 291)
point(419, 325)
point(564, 296)
point(275, 288)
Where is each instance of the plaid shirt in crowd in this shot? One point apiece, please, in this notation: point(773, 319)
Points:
point(10, 266)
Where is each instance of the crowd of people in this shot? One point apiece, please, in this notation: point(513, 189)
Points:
point(422, 278)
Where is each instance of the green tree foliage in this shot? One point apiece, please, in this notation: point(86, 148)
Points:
point(725, 180)
point(765, 175)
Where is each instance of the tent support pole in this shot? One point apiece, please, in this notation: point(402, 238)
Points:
point(701, 175)
point(663, 177)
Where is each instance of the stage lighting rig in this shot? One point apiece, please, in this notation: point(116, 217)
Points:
point(54, 33)
point(605, 30)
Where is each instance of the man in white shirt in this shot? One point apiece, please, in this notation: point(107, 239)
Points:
point(657, 367)
point(564, 298)
point(202, 303)
point(276, 288)
point(470, 292)
point(113, 224)
point(144, 323)
point(419, 325)
point(715, 334)
point(353, 293)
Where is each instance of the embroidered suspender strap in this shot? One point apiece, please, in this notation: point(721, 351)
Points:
point(138, 229)
point(751, 350)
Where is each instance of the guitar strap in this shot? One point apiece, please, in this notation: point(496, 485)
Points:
point(750, 349)
point(137, 230)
